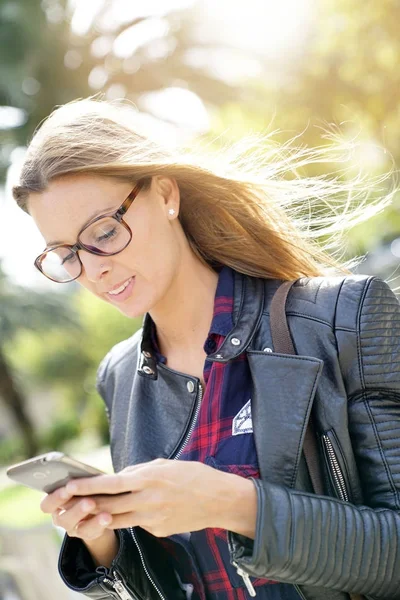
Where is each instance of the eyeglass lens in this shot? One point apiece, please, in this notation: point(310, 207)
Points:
point(105, 236)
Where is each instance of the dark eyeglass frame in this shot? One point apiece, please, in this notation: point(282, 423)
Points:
point(117, 215)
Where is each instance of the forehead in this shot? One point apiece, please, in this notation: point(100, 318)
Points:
point(70, 202)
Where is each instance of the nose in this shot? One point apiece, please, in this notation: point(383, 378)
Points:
point(94, 266)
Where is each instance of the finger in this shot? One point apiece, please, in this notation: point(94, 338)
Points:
point(93, 527)
point(123, 503)
point(137, 467)
point(69, 519)
point(71, 503)
point(147, 521)
point(131, 519)
point(108, 484)
point(156, 461)
point(55, 500)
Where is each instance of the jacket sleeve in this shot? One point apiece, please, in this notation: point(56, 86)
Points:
point(79, 573)
point(145, 573)
point(318, 541)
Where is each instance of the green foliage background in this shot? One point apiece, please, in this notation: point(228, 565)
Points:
point(345, 76)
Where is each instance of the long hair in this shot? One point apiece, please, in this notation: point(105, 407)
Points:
point(245, 206)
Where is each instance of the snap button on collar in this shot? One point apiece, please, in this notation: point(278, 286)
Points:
point(148, 371)
point(190, 386)
point(267, 350)
point(235, 341)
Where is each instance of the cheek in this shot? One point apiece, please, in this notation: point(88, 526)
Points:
point(155, 261)
point(154, 249)
point(90, 286)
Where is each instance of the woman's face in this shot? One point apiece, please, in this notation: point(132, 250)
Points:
point(149, 263)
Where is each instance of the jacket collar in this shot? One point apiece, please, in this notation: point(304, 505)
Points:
point(248, 306)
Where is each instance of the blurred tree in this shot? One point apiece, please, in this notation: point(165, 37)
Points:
point(22, 310)
point(34, 40)
point(55, 360)
point(344, 73)
point(344, 70)
point(44, 64)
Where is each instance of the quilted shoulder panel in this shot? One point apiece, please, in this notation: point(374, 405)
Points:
point(379, 337)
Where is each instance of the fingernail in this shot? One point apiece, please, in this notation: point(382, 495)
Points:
point(64, 494)
point(71, 488)
point(87, 505)
point(104, 520)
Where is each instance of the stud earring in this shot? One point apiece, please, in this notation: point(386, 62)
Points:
point(171, 212)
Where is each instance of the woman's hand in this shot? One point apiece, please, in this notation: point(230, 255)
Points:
point(167, 497)
point(75, 515)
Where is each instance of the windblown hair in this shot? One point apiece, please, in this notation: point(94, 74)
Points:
point(244, 206)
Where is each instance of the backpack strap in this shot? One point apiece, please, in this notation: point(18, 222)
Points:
point(282, 342)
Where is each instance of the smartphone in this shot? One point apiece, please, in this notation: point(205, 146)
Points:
point(50, 471)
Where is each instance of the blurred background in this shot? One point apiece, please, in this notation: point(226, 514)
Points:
point(194, 69)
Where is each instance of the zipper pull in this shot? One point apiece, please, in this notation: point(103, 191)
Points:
point(246, 579)
point(120, 588)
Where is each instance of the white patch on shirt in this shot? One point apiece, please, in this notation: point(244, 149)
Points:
point(243, 422)
point(185, 587)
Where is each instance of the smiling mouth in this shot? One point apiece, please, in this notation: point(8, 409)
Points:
point(121, 288)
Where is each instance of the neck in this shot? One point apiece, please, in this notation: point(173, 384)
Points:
point(184, 316)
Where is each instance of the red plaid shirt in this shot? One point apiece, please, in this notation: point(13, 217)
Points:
point(223, 439)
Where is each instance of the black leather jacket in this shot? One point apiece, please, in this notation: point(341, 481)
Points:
point(347, 371)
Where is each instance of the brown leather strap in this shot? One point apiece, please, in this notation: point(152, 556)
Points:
point(282, 342)
point(281, 338)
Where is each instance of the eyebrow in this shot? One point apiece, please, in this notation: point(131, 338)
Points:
point(97, 213)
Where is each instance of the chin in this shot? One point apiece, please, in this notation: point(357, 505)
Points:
point(132, 312)
point(134, 307)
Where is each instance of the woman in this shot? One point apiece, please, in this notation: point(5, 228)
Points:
point(212, 496)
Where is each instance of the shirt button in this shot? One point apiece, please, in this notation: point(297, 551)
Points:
point(190, 386)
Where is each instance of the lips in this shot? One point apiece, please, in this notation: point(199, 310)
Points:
point(118, 289)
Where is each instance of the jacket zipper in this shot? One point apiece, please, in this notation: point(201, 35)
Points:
point(300, 593)
point(176, 457)
point(119, 587)
point(149, 577)
point(336, 470)
point(192, 424)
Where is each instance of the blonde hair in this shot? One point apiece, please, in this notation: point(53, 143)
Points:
point(244, 206)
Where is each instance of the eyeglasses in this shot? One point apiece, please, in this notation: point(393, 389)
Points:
point(105, 236)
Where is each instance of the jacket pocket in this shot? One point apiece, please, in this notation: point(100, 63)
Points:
point(336, 466)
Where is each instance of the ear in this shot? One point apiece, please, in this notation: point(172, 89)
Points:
point(168, 190)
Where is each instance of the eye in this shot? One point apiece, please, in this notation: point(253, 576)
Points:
point(107, 235)
point(69, 258)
